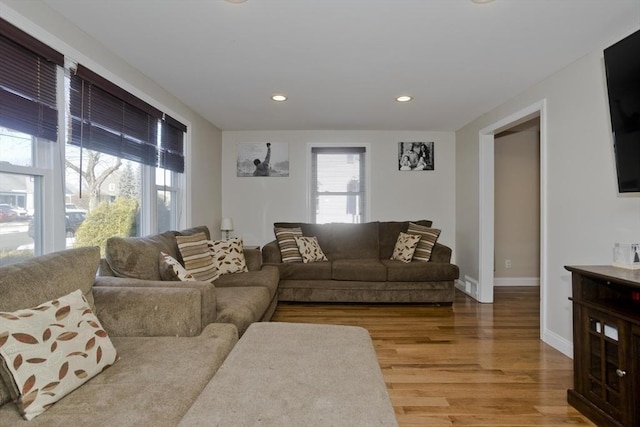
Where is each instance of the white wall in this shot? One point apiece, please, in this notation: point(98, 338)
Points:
point(585, 214)
point(256, 203)
point(204, 140)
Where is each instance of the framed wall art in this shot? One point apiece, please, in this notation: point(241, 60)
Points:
point(415, 156)
point(263, 159)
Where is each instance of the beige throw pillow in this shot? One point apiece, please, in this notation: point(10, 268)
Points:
point(228, 255)
point(172, 270)
point(405, 247)
point(310, 249)
point(197, 258)
point(52, 349)
point(286, 238)
point(428, 238)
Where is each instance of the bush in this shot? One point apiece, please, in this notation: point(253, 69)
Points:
point(15, 256)
point(108, 220)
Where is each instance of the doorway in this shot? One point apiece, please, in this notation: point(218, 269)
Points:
point(486, 260)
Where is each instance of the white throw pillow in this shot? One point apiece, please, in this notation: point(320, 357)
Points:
point(172, 269)
point(51, 350)
point(310, 249)
point(228, 255)
point(405, 247)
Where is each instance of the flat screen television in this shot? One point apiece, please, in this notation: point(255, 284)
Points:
point(622, 66)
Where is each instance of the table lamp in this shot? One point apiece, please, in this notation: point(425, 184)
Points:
point(226, 226)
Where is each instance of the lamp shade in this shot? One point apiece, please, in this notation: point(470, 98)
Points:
point(226, 224)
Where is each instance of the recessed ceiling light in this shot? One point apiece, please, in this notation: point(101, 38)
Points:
point(279, 98)
point(236, 1)
point(404, 98)
point(481, 1)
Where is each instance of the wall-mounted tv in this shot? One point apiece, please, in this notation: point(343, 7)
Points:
point(622, 65)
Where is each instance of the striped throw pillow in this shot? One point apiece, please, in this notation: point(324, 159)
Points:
point(197, 257)
point(428, 238)
point(286, 238)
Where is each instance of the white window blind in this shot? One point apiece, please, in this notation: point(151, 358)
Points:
point(338, 184)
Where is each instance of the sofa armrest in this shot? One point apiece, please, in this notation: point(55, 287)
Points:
point(253, 258)
point(134, 312)
point(207, 291)
point(440, 253)
point(271, 253)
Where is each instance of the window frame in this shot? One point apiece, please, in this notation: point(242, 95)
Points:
point(310, 192)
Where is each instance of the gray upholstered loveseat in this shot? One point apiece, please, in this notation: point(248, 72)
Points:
point(238, 298)
point(167, 355)
point(359, 268)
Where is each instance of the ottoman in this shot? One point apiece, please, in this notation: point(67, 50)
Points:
point(289, 374)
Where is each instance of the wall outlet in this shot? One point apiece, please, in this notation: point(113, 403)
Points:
point(507, 263)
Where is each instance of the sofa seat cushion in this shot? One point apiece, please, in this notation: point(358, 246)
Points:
point(155, 382)
point(297, 271)
point(267, 277)
point(416, 271)
point(370, 270)
point(241, 306)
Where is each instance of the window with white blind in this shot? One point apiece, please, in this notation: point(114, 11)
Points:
point(338, 184)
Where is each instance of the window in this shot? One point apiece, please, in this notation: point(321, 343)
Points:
point(73, 143)
point(338, 184)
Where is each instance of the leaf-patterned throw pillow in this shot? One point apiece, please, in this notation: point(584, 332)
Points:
point(228, 255)
point(171, 269)
point(197, 258)
point(51, 350)
point(310, 249)
point(405, 247)
point(428, 238)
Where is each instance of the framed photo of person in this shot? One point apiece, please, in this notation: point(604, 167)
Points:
point(268, 159)
point(415, 156)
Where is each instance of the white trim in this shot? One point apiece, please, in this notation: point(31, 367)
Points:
point(516, 281)
point(486, 214)
point(556, 341)
point(469, 286)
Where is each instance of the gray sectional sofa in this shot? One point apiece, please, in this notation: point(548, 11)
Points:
point(167, 354)
point(359, 268)
point(239, 298)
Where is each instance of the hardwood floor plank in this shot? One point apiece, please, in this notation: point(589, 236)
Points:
point(470, 364)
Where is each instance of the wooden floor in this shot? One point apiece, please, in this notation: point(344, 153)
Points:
point(467, 365)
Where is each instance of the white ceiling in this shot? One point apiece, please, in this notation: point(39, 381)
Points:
point(343, 62)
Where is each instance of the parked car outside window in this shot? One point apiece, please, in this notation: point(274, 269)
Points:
point(7, 214)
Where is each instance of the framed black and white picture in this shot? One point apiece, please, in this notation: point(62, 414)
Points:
point(263, 159)
point(415, 156)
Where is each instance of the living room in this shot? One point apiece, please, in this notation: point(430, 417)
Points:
point(582, 214)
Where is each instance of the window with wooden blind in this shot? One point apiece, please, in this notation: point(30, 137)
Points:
point(338, 184)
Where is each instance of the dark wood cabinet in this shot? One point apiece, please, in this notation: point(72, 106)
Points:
point(606, 344)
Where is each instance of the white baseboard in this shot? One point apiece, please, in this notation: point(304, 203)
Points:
point(556, 341)
point(516, 281)
point(469, 286)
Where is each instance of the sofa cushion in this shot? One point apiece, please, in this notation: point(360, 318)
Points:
point(428, 238)
point(171, 270)
point(267, 277)
point(371, 270)
point(388, 234)
point(351, 241)
point(52, 349)
point(137, 257)
point(241, 306)
point(310, 249)
point(299, 271)
point(287, 243)
point(197, 258)
point(405, 247)
point(155, 382)
point(228, 255)
point(398, 271)
point(38, 280)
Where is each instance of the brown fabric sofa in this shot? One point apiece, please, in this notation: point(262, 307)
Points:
point(359, 268)
point(239, 298)
point(167, 355)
